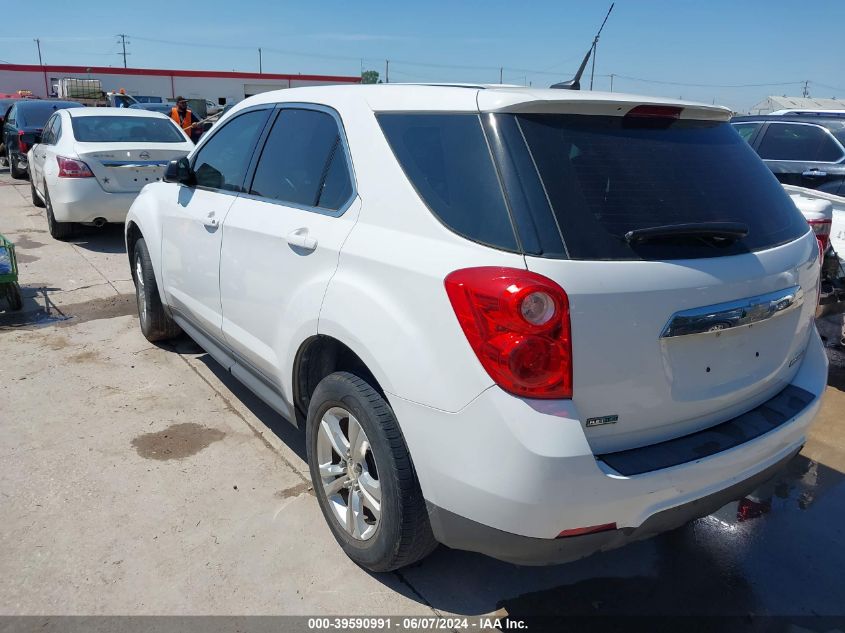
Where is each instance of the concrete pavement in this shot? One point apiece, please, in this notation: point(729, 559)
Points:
point(138, 479)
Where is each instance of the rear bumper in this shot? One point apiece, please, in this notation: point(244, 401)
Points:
point(83, 200)
point(505, 469)
point(461, 533)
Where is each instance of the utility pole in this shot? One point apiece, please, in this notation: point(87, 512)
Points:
point(807, 88)
point(41, 63)
point(260, 69)
point(122, 37)
point(500, 74)
point(387, 71)
point(611, 82)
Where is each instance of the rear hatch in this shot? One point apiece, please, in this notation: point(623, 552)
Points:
point(127, 152)
point(691, 276)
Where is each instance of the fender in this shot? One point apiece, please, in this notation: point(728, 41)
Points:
point(145, 216)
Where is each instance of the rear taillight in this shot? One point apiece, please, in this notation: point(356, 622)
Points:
point(822, 230)
point(517, 323)
point(23, 146)
point(72, 168)
point(593, 529)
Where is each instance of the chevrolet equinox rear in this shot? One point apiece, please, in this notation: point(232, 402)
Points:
point(534, 324)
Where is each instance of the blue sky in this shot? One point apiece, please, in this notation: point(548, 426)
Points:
point(714, 43)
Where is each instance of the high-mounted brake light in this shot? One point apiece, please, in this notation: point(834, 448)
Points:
point(654, 112)
point(23, 146)
point(517, 323)
point(72, 168)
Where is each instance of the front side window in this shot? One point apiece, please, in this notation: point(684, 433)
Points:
point(222, 162)
point(303, 161)
point(799, 142)
point(125, 129)
point(447, 160)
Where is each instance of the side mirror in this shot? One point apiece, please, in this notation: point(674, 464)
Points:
point(179, 171)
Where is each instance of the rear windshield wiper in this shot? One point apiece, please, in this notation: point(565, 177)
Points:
point(719, 231)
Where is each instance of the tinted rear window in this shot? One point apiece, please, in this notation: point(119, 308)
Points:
point(125, 129)
point(446, 158)
point(605, 176)
point(36, 113)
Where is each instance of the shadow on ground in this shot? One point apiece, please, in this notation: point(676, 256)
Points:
point(107, 239)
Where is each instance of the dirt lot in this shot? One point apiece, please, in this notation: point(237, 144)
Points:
point(137, 479)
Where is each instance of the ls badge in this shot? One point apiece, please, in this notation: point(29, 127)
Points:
point(607, 419)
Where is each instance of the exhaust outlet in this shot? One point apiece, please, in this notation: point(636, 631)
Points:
point(99, 222)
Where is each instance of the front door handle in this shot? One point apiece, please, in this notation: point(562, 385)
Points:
point(211, 221)
point(300, 238)
point(814, 173)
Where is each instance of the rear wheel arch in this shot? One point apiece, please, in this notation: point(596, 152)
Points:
point(318, 357)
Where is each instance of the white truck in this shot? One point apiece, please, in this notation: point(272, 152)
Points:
point(90, 92)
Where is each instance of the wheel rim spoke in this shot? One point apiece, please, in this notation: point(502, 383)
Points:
point(371, 491)
point(357, 440)
point(330, 425)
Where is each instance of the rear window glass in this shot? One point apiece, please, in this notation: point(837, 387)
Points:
point(447, 160)
point(35, 114)
point(123, 129)
point(605, 176)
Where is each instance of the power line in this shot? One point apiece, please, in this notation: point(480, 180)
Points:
point(688, 85)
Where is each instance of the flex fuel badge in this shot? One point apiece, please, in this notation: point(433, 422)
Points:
point(607, 419)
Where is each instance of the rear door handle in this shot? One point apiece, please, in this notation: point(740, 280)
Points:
point(814, 173)
point(300, 238)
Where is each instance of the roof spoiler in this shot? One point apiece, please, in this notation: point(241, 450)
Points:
point(575, 82)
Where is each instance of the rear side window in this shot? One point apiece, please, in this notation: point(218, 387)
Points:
point(747, 130)
point(222, 162)
point(447, 160)
point(605, 176)
point(800, 142)
point(303, 162)
point(125, 129)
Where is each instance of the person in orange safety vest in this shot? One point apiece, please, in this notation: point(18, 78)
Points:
point(183, 117)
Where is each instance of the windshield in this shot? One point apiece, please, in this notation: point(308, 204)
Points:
point(605, 176)
point(123, 129)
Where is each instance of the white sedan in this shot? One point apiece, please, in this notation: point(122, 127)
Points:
point(91, 163)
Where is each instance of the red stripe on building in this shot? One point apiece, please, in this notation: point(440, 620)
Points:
point(157, 72)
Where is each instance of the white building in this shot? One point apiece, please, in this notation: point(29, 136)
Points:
point(220, 87)
point(774, 103)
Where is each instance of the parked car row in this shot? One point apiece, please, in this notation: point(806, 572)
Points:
point(530, 323)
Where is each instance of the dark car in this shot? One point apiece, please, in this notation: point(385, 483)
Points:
point(807, 151)
point(22, 127)
point(164, 108)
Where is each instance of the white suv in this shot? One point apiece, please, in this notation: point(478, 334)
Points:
point(530, 323)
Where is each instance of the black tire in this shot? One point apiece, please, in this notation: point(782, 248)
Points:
point(403, 533)
point(156, 324)
point(13, 297)
point(17, 174)
point(36, 200)
point(58, 230)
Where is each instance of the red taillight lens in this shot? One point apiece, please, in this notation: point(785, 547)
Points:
point(822, 230)
point(72, 168)
point(517, 323)
point(654, 112)
point(587, 530)
point(23, 146)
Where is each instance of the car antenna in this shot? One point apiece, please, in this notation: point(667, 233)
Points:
point(575, 82)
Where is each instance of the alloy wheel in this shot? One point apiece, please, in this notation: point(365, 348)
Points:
point(348, 473)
